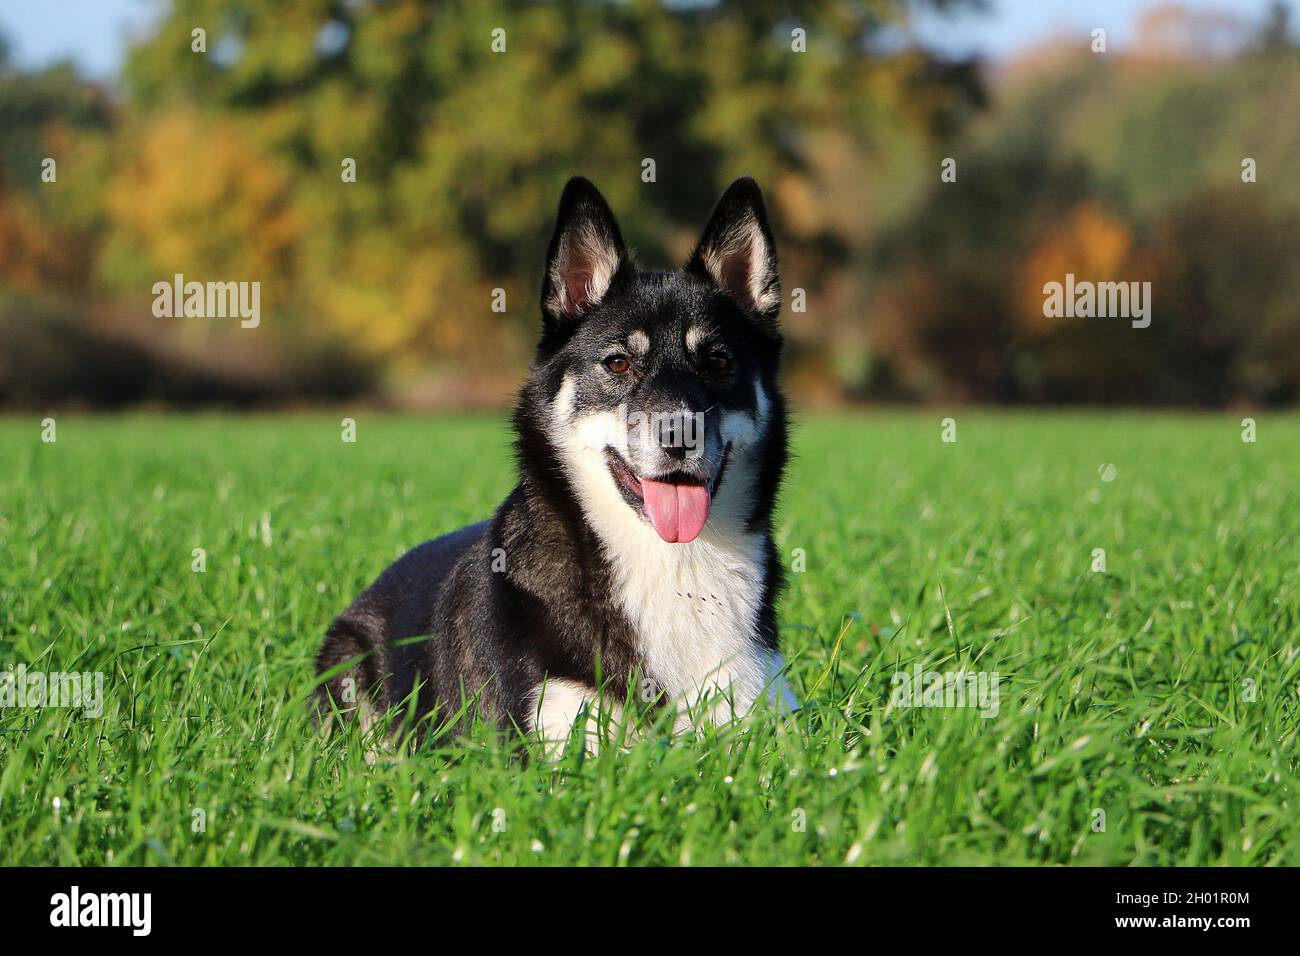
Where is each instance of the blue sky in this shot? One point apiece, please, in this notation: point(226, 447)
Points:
point(1011, 24)
point(94, 32)
point(91, 32)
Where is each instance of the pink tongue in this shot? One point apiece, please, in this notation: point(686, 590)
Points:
point(678, 512)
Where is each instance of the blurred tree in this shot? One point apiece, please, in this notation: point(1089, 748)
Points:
point(461, 149)
point(1276, 34)
point(462, 121)
point(46, 233)
point(1229, 279)
point(198, 196)
point(1116, 170)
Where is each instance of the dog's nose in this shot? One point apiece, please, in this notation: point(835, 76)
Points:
point(677, 452)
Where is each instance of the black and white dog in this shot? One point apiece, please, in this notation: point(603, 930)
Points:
point(637, 545)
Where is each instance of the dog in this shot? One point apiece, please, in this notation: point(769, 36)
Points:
point(635, 557)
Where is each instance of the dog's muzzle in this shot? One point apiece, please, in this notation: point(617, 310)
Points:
point(675, 502)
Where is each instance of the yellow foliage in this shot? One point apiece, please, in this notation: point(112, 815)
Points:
point(35, 255)
point(199, 197)
point(1088, 242)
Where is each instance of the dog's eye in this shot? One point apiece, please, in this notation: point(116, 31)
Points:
point(618, 364)
point(719, 361)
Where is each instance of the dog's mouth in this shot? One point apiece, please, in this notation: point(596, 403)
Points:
point(676, 504)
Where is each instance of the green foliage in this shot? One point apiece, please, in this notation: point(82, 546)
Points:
point(461, 149)
point(46, 234)
point(31, 106)
point(1123, 690)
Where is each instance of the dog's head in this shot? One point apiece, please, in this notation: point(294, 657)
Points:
point(660, 387)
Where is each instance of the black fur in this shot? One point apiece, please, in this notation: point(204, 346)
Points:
point(441, 617)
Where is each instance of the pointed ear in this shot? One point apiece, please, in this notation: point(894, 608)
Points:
point(586, 254)
point(737, 254)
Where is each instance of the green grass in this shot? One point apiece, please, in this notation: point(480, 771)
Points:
point(1124, 691)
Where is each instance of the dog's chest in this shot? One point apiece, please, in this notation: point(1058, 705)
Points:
point(695, 610)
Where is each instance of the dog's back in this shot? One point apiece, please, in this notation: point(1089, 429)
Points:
point(371, 634)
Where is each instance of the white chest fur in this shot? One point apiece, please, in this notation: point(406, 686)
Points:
point(695, 607)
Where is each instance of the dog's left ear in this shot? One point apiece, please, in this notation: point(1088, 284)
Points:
point(738, 255)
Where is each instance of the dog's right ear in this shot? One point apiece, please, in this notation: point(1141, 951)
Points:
point(585, 256)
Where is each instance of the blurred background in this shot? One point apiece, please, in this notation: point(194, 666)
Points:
point(226, 165)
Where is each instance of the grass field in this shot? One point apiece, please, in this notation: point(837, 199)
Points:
point(1147, 714)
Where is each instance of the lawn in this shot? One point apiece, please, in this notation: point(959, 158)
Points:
point(1146, 713)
